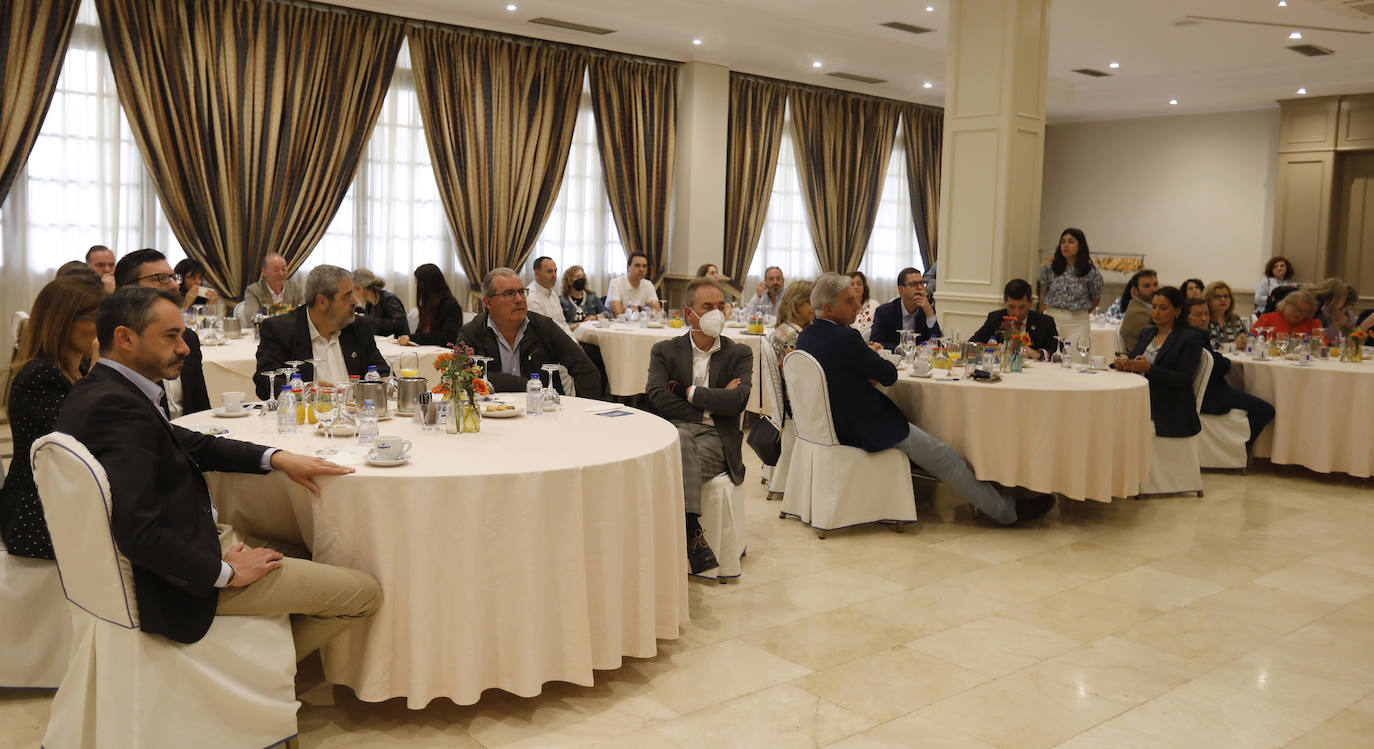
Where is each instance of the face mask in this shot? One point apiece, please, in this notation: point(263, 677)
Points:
point(712, 323)
point(580, 284)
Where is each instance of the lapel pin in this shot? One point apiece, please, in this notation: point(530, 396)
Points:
point(353, 355)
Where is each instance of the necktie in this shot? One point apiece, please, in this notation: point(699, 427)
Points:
point(162, 400)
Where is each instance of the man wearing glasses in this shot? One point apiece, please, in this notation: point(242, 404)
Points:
point(521, 342)
point(911, 310)
point(185, 394)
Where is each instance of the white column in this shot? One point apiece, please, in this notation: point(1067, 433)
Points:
point(698, 227)
point(995, 72)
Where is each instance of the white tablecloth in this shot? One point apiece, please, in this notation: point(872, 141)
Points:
point(1103, 341)
point(1321, 412)
point(531, 552)
point(1038, 428)
point(626, 352)
point(230, 367)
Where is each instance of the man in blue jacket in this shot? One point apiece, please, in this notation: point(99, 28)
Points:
point(911, 310)
point(868, 419)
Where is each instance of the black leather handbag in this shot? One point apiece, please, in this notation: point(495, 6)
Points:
point(766, 441)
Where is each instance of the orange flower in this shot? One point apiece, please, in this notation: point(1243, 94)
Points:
point(442, 359)
point(480, 387)
point(440, 389)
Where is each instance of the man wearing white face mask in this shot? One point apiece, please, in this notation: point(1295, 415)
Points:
point(701, 382)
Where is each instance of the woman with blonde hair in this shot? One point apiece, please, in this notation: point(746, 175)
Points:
point(60, 334)
point(1223, 326)
point(794, 314)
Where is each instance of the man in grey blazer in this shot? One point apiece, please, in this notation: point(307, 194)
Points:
point(700, 382)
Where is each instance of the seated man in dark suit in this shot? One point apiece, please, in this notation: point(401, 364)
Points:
point(520, 342)
point(911, 310)
point(1220, 398)
point(1016, 298)
point(868, 419)
point(185, 394)
point(700, 381)
point(187, 568)
point(325, 328)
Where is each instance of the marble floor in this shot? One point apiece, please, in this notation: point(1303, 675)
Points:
point(1244, 618)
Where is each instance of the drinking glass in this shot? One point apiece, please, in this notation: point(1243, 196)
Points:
point(295, 366)
point(410, 364)
point(326, 401)
point(549, 396)
point(482, 362)
point(200, 314)
point(1084, 346)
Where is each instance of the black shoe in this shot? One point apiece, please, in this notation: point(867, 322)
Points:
point(1033, 509)
point(700, 558)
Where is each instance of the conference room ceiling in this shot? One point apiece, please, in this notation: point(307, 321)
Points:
point(1209, 56)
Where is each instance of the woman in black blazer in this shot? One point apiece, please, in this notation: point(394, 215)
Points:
point(1220, 398)
point(60, 333)
point(1168, 355)
point(441, 317)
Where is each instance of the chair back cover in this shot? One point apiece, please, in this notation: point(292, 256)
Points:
point(1204, 372)
point(76, 504)
point(810, 398)
point(772, 384)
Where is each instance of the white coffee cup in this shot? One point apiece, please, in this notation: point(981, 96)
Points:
point(232, 402)
point(390, 447)
point(1099, 362)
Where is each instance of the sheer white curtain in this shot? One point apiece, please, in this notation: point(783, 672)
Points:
point(786, 238)
point(893, 245)
point(84, 182)
point(391, 220)
point(580, 229)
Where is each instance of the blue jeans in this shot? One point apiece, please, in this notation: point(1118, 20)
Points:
point(947, 465)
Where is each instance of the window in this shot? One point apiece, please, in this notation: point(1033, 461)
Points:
point(893, 245)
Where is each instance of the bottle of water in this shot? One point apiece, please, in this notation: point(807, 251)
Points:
point(372, 375)
point(643, 316)
point(534, 398)
point(367, 423)
point(257, 325)
point(298, 393)
point(286, 411)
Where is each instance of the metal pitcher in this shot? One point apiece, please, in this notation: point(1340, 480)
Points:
point(232, 327)
point(408, 390)
point(356, 393)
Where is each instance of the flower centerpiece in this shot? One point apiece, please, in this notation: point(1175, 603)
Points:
point(1014, 343)
point(1354, 347)
point(278, 309)
point(460, 380)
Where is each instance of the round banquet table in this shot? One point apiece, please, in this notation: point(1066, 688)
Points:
point(625, 350)
point(1037, 428)
point(534, 551)
point(1321, 412)
point(229, 367)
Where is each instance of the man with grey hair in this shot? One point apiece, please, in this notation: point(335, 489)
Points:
point(273, 294)
point(866, 418)
point(323, 328)
point(521, 342)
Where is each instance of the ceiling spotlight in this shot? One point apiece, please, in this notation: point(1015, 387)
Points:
point(927, 84)
point(930, 8)
point(696, 42)
point(1283, 3)
point(1295, 35)
point(816, 64)
point(1114, 65)
point(1302, 92)
point(511, 7)
point(1173, 102)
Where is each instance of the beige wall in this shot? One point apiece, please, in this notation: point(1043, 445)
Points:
point(1194, 194)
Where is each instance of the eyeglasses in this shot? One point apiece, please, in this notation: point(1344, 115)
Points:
point(161, 277)
point(510, 294)
point(915, 284)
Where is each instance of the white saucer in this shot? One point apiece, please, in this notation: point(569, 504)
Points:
point(734, 325)
point(235, 415)
point(655, 325)
point(505, 414)
point(387, 463)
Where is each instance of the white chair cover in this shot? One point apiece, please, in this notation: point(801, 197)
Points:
point(241, 312)
point(413, 318)
point(122, 688)
point(35, 628)
point(777, 482)
point(829, 485)
point(723, 524)
point(1175, 466)
point(1222, 441)
point(18, 320)
point(776, 476)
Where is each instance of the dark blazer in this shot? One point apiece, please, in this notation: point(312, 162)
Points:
point(36, 398)
point(388, 315)
point(1172, 406)
point(287, 338)
point(194, 397)
point(160, 512)
point(1039, 325)
point(448, 322)
point(671, 361)
point(544, 343)
point(864, 417)
point(887, 322)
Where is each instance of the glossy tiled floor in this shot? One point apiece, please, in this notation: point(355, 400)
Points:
point(1243, 619)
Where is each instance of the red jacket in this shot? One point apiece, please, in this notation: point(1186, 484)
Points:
point(1275, 320)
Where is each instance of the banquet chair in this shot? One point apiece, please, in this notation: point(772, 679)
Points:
point(723, 524)
point(123, 688)
point(1221, 445)
point(829, 485)
point(413, 318)
point(1175, 466)
point(35, 628)
point(18, 321)
point(773, 392)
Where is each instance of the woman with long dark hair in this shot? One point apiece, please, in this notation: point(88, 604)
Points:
point(1070, 286)
point(193, 288)
point(441, 317)
point(60, 334)
point(1167, 355)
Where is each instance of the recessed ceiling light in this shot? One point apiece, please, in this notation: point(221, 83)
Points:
point(511, 7)
point(1283, 3)
point(1295, 35)
point(1114, 65)
point(696, 42)
point(816, 64)
point(927, 84)
point(1302, 92)
point(930, 8)
point(1173, 102)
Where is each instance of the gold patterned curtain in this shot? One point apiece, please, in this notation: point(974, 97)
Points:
point(33, 40)
point(251, 117)
point(758, 109)
point(499, 115)
point(843, 143)
point(635, 103)
point(925, 130)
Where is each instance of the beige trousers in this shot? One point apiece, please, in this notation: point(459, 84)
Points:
point(322, 599)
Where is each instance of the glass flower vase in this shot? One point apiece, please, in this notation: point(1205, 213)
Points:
point(472, 417)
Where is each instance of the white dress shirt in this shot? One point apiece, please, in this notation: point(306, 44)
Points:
point(701, 371)
point(909, 319)
point(333, 370)
point(545, 302)
point(621, 291)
